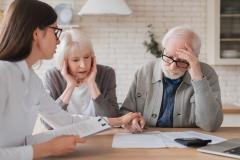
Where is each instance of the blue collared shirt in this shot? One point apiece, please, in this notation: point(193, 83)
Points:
point(170, 86)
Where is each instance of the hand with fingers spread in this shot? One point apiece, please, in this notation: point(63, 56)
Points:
point(58, 146)
point(194, 64)
point(71, 83)
point(90, 80)
point(93, 72)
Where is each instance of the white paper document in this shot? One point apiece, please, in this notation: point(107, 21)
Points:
point(143, 140)
point(84, 128)
point(157, 139)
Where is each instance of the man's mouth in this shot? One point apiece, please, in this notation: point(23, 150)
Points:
point(173, 72)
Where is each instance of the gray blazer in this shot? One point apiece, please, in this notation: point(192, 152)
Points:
point(105, 104)
point(197, 103)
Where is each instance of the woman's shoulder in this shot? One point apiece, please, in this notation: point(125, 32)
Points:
point(103, 69)
point(53, 72)
point(6, 66)
point(105, 75)
point(53, 77)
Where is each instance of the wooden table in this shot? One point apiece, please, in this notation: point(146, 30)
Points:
point(231, 109)
point(100, 148)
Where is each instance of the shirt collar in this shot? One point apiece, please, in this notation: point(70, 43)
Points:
point(187, 78)
point(22, 65)
point(172, 81)
point(157, 71)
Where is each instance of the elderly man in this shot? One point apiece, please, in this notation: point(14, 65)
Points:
point(177, 90)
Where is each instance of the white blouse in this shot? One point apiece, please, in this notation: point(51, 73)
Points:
point(81, 101)
point(22, 97)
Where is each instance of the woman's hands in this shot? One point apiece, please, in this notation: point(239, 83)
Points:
point(91, 80)
point(134, 122)
point(71, 81)
point(58, 146)
point(92, 74)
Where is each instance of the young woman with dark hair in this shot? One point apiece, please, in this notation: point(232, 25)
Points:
point(30, 33)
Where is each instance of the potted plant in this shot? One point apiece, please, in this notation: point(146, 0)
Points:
point(152, 45)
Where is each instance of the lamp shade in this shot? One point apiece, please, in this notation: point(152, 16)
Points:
point(105, 7)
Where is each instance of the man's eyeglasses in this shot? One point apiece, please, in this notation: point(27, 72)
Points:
point(57, 31)
point(170, 60)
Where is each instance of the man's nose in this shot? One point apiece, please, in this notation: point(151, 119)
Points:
point(173, 65)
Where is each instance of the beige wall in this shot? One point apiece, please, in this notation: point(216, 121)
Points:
point(118, 40)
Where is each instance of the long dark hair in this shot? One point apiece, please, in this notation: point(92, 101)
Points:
point(19, 23)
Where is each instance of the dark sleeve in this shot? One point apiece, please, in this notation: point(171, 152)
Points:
point(54, 84)
point(106, 103)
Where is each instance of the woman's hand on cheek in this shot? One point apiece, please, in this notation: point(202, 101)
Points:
point(71, 81)
point(93, 72)
point(90, 80)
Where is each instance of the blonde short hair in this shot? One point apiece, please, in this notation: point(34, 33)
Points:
point(183, 31)
point(68, 40)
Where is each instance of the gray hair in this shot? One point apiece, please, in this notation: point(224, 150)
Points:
point(68, 40)
point(183, 31)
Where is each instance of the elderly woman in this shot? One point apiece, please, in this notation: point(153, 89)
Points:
point(80, 85)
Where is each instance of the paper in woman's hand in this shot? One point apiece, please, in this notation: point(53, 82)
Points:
point(84, 128)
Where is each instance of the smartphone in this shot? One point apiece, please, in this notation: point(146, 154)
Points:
point(193, 142)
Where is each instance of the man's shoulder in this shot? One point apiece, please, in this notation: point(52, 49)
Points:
point(206, 68)
point(145, 74)
point(208, 71)
point(149, 67)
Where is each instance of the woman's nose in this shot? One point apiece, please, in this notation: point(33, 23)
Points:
point(82, 64)
point(58, 41)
